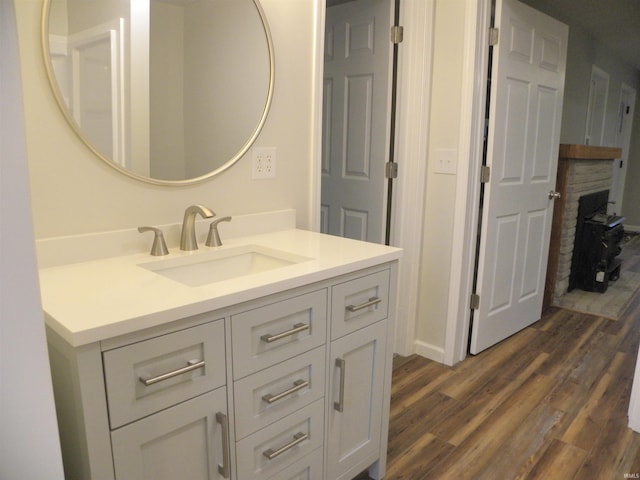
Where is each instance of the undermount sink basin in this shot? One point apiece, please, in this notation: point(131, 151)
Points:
point(216, 266)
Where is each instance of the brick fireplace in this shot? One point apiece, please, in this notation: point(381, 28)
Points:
point(582, 170)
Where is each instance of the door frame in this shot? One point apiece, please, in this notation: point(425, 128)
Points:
point(415, 60)
point(467, 212)
point(411, 147)
point(625, 144)
point(415, 74)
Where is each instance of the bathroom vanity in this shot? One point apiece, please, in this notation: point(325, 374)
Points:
point(281, 372)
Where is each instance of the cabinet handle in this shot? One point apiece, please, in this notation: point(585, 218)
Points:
point(297, 385)
point(341, 363)
point(297, 438)
point(223, 420)
point(191, 365)
point(297, 328)
point(372, 301)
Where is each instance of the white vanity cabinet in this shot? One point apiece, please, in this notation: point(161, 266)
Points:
point(357, 413)
point(292, 385)
point(168, 405)
point(145, 406)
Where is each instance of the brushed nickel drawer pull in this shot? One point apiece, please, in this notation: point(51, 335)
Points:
point(223, 469)
point(372, 301)
point(191, 365)
point(297, 385)
point(297, 328)
point(341, 363)
point(297, 438)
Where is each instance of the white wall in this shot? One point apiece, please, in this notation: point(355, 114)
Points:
point(75, 193)
point(445, 126)
point(29, 445)
point(444, 135)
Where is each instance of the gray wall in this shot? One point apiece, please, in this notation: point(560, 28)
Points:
point(584, 52)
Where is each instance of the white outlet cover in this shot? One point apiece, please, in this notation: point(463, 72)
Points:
point(263, 163)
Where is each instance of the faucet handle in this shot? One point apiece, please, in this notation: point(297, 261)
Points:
point(159, 247)
point(213, 239)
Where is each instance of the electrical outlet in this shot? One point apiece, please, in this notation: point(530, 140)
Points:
point(264, 163)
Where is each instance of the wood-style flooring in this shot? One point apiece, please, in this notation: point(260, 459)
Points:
point(550, 402)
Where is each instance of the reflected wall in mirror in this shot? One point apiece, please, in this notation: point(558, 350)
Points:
point(167, 91)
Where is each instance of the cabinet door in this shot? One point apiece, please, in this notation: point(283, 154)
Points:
point(356, 391)
point(189, 440)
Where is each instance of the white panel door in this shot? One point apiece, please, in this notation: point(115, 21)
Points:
point(97, 82)
point(597, 107)
point(526, 106)
point(355, 120)
point(623, 139)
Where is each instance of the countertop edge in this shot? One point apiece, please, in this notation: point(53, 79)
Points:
point(200, 306)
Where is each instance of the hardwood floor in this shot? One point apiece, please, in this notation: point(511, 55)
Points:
point(548, 403)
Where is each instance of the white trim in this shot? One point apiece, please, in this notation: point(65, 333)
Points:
point(315, 177)
point(632, 228)
point(623, 140)
point(113, 33)
point(472, 114)
point(427, 350)
point(414, 88)
point(634, 402)
point(596, 73)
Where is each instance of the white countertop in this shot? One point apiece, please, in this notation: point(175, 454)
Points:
point(94, 300)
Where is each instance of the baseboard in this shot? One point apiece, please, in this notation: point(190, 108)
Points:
point(632, 228)
point(429, 351)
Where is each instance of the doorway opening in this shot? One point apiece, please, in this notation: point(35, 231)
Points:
point(358, 119)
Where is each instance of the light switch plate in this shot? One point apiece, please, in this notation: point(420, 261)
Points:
point(446, 161)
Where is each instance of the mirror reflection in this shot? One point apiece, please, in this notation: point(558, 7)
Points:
point(164, 90)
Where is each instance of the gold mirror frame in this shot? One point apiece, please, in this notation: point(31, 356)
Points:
point(53, 82)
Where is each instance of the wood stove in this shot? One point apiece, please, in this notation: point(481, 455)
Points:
point(597, 245)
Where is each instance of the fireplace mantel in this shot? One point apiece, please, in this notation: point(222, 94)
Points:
point(588, 152)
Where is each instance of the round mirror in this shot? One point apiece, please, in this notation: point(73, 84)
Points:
point(167, 91)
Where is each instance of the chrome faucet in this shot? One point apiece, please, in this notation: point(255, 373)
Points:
point(188, 238)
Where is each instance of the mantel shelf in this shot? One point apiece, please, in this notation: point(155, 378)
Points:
point(588, 152)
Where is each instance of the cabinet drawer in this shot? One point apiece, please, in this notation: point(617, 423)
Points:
point(358, 303)
point(176, 367)
point(268, 335)
point(307, 468)
point(269, 395)
point(285, 442)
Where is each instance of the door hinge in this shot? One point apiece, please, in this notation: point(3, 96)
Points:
point(485, 174)
point(397, 34)
point(494, 34)
point(391, 170)
point(475, 301)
